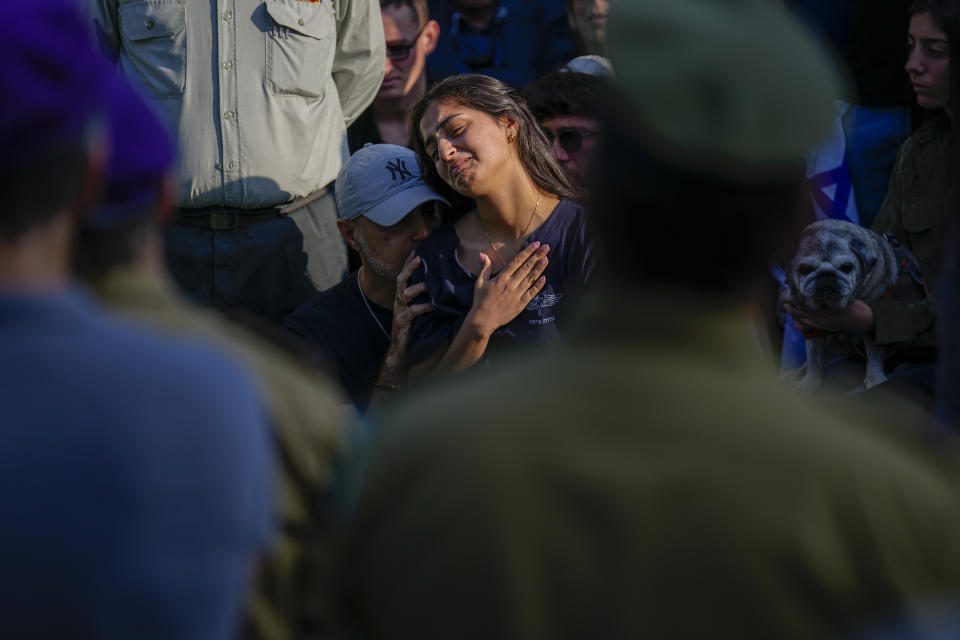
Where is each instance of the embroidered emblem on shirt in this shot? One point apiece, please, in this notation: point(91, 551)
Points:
point(311, 1)
point(398, 169)
point(541, 302)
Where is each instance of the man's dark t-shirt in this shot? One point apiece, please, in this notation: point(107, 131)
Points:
point(339, 324)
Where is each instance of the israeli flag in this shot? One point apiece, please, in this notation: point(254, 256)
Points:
point(828, 175)
point(831, 190)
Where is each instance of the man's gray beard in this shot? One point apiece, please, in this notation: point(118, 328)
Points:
point(378, 266)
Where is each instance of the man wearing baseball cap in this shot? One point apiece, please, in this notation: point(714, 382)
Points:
point(360, 327)
point(651, 478)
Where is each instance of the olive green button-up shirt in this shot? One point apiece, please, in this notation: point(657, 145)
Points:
point(258, 93)
point(916, 210)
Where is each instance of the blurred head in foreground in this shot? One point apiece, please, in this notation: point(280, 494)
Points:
point(706, 145)
point(124, 226)
point(51, 121)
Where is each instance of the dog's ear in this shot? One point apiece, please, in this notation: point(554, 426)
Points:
point(866, 258)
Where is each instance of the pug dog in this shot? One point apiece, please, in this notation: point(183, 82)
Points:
point(836, 263)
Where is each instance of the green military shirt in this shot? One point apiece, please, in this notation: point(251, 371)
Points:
point(649, 480)
point(294, 596)
point(917, 211)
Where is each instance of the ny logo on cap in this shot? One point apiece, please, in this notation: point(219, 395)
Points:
point(398, 169)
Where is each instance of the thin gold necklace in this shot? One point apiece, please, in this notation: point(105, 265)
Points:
point(503, 263)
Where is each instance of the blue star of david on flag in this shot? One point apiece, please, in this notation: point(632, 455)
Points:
point(832, 193)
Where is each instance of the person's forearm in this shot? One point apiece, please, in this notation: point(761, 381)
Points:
point(360, 51)
point(467, 348)
point(393, 371)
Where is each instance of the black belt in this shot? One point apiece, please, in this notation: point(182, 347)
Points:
point(221, 219)
point(228, 219)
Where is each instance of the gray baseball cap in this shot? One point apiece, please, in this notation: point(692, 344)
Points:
point(382, 182)
point(725, 80)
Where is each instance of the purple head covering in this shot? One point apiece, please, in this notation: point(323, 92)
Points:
point(141, 156)
point(52, 78)
point(55, 84)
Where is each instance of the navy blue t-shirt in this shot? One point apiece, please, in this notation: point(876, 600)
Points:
point(339, 325)
point(571, 264)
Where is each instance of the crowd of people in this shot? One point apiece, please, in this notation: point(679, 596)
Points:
point(457, 319)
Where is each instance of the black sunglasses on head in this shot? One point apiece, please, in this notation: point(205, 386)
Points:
point(570, 138)
point(400, 52)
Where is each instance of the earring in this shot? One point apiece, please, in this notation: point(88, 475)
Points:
point(511, 136)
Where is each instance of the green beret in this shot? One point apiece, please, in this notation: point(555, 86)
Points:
point(721, 81)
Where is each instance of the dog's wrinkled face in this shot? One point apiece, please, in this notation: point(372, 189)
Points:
point(826, 270)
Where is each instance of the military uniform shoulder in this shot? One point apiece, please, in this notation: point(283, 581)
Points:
point(936, 127)
point(924, 147)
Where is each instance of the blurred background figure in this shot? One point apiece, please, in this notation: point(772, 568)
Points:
point(361, 327)
point(119, 254)
point(411, 36)
point(571, 108)
point(259, 96)
point(511, 40)
point(651, 478)
point(588, 20)
point(134, 470)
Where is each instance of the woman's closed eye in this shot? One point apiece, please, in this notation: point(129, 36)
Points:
point(931, 50)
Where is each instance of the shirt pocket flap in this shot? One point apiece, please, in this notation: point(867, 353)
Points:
point(144, 20)
point(916, 217)
point(309, 18)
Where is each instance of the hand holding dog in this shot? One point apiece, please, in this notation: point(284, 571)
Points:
point(855, 317)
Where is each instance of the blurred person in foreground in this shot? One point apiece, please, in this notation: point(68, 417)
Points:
point(411, 36)
point(361, 327)
point(571, 108)
point(651, 478)
point(119, 254)
point(134, 470)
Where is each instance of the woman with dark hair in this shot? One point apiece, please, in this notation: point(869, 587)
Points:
point(488, 275)
point(916, 210)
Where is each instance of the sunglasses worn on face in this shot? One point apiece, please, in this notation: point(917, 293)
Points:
point(400, 52)
point(570, 138)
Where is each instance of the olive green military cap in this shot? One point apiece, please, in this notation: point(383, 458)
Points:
point(723, 80)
